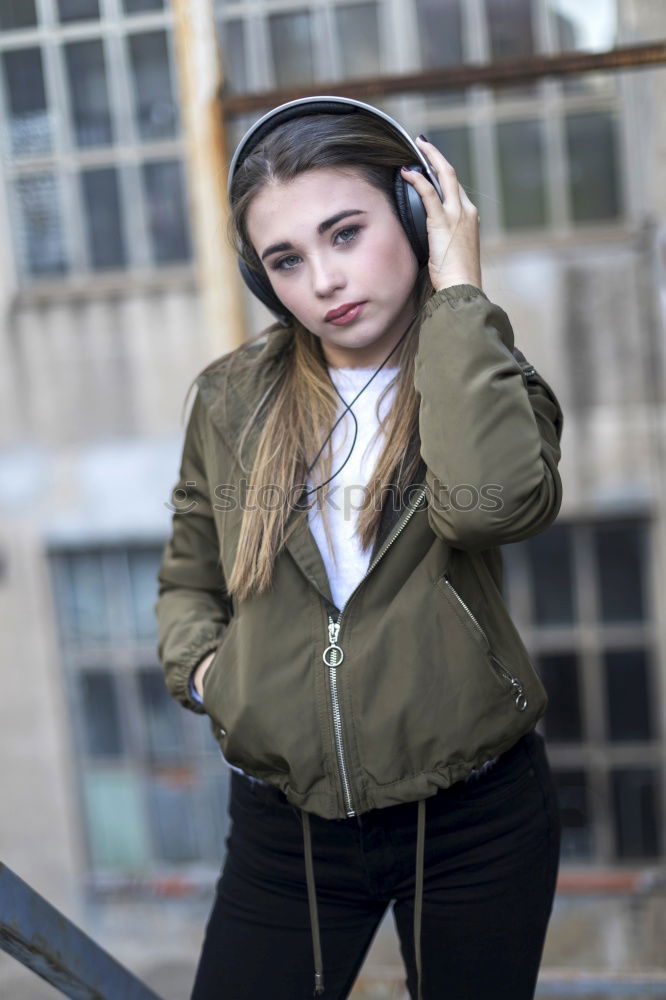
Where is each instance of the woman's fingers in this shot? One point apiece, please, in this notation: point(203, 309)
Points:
point(446, 175)
point(453, 225)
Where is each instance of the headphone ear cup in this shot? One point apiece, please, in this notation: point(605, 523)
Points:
point(412, 215)
point(260, 286)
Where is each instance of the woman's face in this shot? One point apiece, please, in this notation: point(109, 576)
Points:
point(329, 239)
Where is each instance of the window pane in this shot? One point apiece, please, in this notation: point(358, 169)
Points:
point(115, 820)
point(455, 145)
point(510, 28)
point(163, 184)
point(139, 6)
point(88, 93)
point(559, 673)
point(590, 26)
point(173, 815)
point(510, 34)
point(40, 244)
point(620, 551)
point(82, 597)
point(17, 14)
point(292, 48)
point(103, 217)
point(440, 32)
point(162, 715)
point(572, 793)
point(27, 115)
point(77, 10)
point(549, 557)
point(143, 567)
point(358, 39)
point(593, 168)
point(101, 715)
point(520, 152)
point(155, 106)
point(635, 812)
point(234, 64)
point(628, 695)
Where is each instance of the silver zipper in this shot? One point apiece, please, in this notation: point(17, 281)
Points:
point(520, 698)
point(333, 656)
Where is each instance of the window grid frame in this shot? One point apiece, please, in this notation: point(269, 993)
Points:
point(65, 160)
point(588, 637)
point(123, 655)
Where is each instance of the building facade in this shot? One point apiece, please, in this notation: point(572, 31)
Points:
point(114, 805)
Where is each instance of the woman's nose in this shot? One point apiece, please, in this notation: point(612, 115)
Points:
point(327, 277)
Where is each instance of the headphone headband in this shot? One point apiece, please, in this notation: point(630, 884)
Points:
point(326, 105)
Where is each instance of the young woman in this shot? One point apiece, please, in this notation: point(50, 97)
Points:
point(331, 594)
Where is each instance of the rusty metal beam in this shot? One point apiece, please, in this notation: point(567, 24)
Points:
point(44, 940)
point(207, 158)
point(503, 73)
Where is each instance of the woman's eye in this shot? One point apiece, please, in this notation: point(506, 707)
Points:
point(348, 234)
point(278, 266)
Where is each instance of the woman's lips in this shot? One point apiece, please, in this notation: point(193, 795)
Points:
point(344, 314)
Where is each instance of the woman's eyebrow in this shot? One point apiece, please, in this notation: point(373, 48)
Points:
point(321, 228)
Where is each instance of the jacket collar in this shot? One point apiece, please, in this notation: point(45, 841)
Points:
point(229, 416)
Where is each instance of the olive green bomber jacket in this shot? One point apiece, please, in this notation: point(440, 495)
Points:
point(422, 677)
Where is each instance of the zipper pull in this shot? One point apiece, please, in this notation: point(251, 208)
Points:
point(333, 655)
point(520, 699)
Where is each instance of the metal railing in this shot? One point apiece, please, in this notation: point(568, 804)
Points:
point(47, 942)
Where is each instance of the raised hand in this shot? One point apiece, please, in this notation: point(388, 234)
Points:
point(453, 225)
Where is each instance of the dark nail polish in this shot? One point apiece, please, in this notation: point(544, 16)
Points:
point(424, 137)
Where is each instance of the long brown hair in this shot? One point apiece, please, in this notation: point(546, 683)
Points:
point(300, 405)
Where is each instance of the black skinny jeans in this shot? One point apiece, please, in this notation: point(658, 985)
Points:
point(490, 868)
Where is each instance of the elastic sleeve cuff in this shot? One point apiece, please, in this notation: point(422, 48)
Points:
point(453, 296)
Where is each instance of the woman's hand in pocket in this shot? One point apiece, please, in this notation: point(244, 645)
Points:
point(200, 672)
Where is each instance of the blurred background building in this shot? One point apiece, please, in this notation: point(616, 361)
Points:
point(113, 798)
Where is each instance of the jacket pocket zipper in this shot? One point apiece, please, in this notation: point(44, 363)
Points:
point(520, 698)
point(333, 656)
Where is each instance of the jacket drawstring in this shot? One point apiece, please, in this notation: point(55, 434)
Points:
point(312, 899)
point(312, 903)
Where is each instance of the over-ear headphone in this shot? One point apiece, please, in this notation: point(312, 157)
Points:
point(411, 210)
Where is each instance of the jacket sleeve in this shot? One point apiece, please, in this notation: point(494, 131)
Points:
point(192, 607)
point(490, 426)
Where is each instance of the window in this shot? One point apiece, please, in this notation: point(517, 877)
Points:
point(153, 785)
point(169, 232)
point(291, 42)
point(27, 116)
point(520, 149)
point(580, 600)
point(511, 35)
point(77, 10)
point(440, 32)
point(591, 26)
point(593, 164)
point(103, 215)
point(154, 101)
point(38, 226)
point(234, 63)
point(88, 93)
point(17, 14)
point(358, 40)
point(142, 6)
point(129, 213)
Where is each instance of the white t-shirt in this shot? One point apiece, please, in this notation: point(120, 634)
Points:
point(348, 562)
